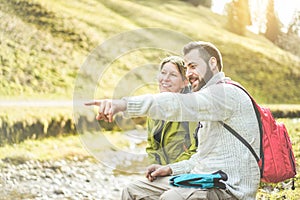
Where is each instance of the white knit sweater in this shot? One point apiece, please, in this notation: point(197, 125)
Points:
point(218, 149)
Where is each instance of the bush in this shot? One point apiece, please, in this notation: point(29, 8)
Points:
point(289, 42)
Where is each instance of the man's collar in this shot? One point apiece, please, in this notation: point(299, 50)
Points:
point(215, 79)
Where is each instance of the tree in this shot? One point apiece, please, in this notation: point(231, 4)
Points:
point(205, 3)
point(290, 41)
point(239, 16)
point(294, 27)
point(273, 24)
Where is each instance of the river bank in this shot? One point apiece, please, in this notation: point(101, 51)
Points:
point(62, 168)
point(60, 179)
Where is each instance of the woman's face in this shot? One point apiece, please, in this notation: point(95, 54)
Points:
point(170, 79)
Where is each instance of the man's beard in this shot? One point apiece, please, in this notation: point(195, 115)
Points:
point(208, 75)
point(198, 84)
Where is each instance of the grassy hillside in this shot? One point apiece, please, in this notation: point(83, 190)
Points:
point(44, 43)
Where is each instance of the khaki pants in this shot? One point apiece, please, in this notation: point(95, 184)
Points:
point(160, 189)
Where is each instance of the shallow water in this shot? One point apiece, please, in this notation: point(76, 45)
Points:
point(123, 152)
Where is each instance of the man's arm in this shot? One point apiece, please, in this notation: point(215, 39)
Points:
point(213, 103)
point(108, 107)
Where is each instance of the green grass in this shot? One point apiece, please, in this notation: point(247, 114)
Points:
point(57, 148)
point(44, 44)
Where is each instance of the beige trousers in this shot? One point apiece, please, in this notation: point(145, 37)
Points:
point(161, 189)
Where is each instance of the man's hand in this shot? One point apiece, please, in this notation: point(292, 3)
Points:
point(155, 170)
point(108, 107)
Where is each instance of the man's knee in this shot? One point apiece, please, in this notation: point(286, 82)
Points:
point(171, 195)
point(129, 191)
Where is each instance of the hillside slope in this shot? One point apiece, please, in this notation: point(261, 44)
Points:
point(44, 44)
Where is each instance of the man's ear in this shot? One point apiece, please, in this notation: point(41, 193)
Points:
point(213, 64)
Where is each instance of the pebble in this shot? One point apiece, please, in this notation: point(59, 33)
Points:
point(62, 179)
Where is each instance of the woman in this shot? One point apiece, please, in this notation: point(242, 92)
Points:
point(169, 142)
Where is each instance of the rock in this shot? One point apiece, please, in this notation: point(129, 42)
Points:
point(62, 179)
point(58, 192)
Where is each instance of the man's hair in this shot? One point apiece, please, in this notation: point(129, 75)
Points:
point(206, 51)
point(176, 60)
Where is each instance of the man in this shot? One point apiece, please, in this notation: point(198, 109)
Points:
point(215, 103)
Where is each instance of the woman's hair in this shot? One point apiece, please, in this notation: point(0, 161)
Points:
point(176, 60)
point(206, 51)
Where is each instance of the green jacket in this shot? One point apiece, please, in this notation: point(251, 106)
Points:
point(169, 142)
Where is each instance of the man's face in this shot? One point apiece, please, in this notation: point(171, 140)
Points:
point(198, 72)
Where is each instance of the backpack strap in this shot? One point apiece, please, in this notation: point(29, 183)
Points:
point(237, 135)
point(196, 133)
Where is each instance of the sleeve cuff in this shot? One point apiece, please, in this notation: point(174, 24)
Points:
point(133, 107)
point(177, 169)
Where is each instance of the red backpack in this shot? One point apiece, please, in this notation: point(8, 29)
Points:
point(276, 160)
